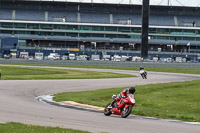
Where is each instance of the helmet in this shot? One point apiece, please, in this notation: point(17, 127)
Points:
point(132, 90)
point(141, 67)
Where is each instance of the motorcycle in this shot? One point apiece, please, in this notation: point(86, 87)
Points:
point(143, 73)
point(119, 108)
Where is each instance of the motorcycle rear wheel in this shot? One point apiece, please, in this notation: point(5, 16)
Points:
point(126, 112)
point(107, 111)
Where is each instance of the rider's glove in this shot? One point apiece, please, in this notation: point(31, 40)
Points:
point(114, 96)
point(123, 96)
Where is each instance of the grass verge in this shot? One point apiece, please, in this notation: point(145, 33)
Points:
point(20, 73)
point(171, 70)
point(179, 100)
point(21, 128)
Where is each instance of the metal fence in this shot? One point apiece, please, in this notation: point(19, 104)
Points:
point(102, 63)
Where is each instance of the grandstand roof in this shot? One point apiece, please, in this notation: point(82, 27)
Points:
point(185, 3)
point(103, 7)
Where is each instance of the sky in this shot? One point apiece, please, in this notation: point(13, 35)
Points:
point(195, 3)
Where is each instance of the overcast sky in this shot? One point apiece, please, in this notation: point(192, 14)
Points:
point(153, 2)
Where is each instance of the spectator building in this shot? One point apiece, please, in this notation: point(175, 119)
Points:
point(64, 27)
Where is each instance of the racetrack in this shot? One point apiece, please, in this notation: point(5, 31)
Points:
point(18, 104)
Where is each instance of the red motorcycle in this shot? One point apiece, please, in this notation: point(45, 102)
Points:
point(119, 108)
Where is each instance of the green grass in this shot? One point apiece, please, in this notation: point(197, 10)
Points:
point(179, 100)
point(21, 128)
point(153, 69)
point(20, 73)
point(171, 100)
point(171, 70)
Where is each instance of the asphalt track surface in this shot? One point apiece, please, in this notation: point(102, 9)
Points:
point(18, 104)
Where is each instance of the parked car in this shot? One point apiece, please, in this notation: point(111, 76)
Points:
point(6, 56)
point(64, 57)
point(30, 58)
point(117, 58)
point(39, 56)
point(72, 57)
point(53, 56)
point(95, 57)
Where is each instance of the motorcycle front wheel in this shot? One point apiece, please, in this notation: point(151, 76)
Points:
point(142, 75)
point(107, 111)
point(126, 112)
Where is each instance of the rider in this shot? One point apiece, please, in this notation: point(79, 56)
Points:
point(125, 93)
point(142, 72)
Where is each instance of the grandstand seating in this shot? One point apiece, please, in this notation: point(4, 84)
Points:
point(186, 20)
point(164, 20)
point(69, 16)
point(135, 18)
point(104, 29)
point(97, 17)
point(5, 14)
point(30, 15)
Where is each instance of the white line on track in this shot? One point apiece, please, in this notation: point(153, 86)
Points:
point(49, 100)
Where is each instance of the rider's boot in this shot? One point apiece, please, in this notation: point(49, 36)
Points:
point(111, 105)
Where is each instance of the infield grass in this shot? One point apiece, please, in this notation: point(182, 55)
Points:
point(153, 69)
point(22, 73)
point(12, 127)
point(178, 100)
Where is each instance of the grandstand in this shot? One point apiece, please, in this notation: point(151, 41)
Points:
point(116, 28)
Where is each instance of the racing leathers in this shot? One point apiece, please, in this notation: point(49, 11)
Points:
point(120, 96)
